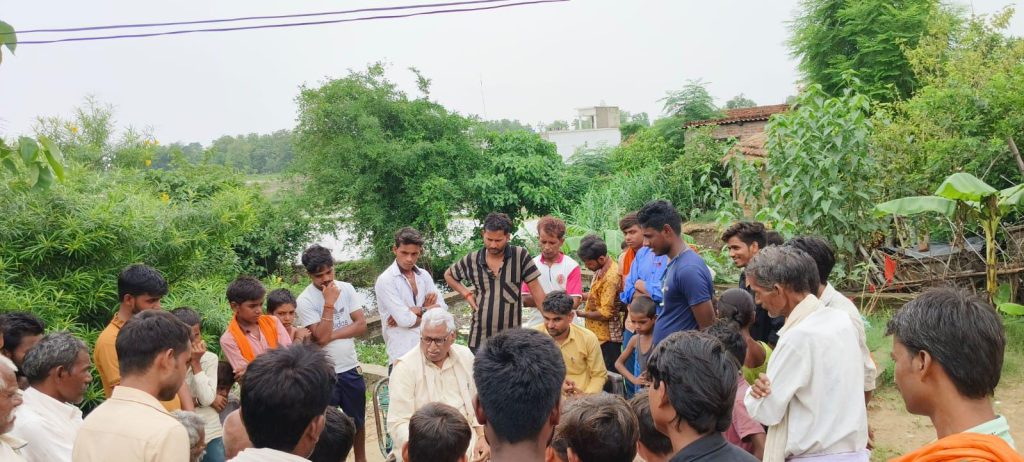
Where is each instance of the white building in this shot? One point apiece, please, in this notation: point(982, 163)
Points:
point(598, 127)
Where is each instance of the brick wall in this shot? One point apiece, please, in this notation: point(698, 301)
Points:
point(739, 130)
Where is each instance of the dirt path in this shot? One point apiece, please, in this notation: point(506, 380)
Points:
point(898, 432)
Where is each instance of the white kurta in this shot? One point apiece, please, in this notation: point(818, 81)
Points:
point(49, 426)
point(817, 381)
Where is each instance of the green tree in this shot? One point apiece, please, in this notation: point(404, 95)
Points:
point(631, 124)
point(503, 125)
point(522, 175)
point(820, 170)
point(966, 116)
point(692, 102)
point(739, 101)
point(557, 125)
point(832, 37)
point(7, 39)
point(382, 159)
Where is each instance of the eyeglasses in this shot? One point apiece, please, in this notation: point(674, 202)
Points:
point(436, 341)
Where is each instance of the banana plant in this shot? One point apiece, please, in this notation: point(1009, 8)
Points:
point(963, 195)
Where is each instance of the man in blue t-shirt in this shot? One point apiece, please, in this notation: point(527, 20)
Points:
point(687, 286)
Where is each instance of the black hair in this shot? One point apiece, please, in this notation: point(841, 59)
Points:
point(736, 306)
point(628, 221)
point(406, 236)
point(700, 378)
point(600, 428)
point(654, 440)
point(317, 258)
point(283, 391)
point(518, 375)
point(773, 237)
point(592, 248)
point(225, 375)
point(139, 279)
point(336, 440)
point(148, 335)
point(244, 289)
point(820, 251)
point(657, 214)
point(54, 350)
point(645, 305)
point(558, 302)
point(188, 316)
point(960, 331)
point(17, 325)
point(278, 297)
point(731, 339)
point(497, 221)
point(437, 432)
point(749, 232)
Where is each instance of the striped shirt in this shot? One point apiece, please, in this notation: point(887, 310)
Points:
point(501, 306)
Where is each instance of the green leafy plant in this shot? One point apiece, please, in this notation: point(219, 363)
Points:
point(7, 39)
point(31, 164)
point(981, 202)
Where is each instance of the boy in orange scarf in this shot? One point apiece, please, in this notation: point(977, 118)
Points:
point(948, 352)
point(250, 333)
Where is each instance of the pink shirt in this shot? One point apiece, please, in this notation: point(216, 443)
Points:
point(256, 340)
point(742, 424)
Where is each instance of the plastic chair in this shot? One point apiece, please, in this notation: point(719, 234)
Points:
point(380, 416)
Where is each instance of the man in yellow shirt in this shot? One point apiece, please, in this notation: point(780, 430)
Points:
point(602, 312)
point(585, 372)
point(139, 288)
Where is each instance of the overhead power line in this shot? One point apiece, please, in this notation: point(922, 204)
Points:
point(256, 18)
point(296, 24)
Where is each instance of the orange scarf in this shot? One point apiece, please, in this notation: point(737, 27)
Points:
point(973, 447)
point(627, 261)
point(268, 329)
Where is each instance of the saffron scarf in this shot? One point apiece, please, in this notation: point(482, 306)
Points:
point(973, 447)
point(268, 329)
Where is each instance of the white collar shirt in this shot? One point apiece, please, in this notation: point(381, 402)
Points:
point(48, 426)
point(11, 448)
point(266, 455)
point(394, 298)
point(832, 298)
point(816, 377)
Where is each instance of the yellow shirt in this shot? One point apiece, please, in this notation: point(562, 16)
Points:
point(604, 292)
point(105, 358)
point(131, 426)
point(584, 364)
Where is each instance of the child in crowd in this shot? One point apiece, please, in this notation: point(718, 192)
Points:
point(744, 431)
point(736, 306)
point(226, 400)
point(642, 315)
point(653, 445)
point(595, 428)
point(201, 379)
point(281, 303)
point(250, 333)
point(437, 433)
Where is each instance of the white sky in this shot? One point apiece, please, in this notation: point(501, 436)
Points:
point(537, 63)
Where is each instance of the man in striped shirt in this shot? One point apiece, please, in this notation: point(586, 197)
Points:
point(496, 273)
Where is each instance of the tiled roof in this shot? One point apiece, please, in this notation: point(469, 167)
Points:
point(747, 114)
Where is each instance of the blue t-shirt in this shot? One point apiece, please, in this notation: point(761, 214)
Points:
point(687, 282)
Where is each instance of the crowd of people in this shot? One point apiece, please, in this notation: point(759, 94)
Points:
point(649, 362)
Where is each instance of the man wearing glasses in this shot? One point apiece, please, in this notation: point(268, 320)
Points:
point(436, 370)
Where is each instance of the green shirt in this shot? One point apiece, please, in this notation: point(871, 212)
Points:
point(752, 373)
point(995, 427)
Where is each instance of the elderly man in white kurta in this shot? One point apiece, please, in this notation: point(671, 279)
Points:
point(436, 370)
point(811, 399)
point(58, 370)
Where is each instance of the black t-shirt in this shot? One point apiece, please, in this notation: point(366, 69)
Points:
point(712, 447)
point(765, 328)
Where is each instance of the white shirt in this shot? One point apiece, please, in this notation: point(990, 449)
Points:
point(394, 297)
point(48, 425)
point(833, 299)
point(816, 376)
point(266, 455)
point(11, 448)
point(309, 310)
point(552, 277)
point(204, 390)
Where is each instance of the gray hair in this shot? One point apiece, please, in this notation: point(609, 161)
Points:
point(785, 266)
point(54, 350)
point(194, 425)
point(438, 317)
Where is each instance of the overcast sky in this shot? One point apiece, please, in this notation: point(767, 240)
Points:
point(532, 63)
